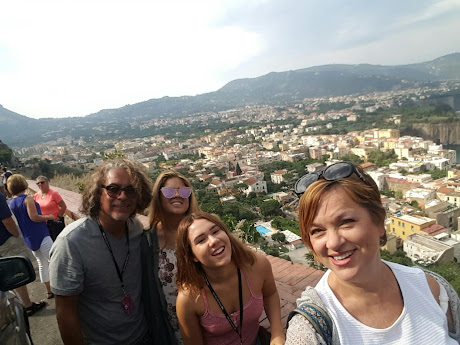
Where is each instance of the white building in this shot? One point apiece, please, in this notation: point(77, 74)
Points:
point(427, 249)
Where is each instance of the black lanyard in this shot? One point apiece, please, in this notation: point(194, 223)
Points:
point(240, 293)
point(109, 247)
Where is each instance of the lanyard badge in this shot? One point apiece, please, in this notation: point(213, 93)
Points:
point(127, 302)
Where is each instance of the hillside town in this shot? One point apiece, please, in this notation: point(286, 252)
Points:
point(423, 211)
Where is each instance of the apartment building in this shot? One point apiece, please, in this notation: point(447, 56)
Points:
point(403, 226)
point(449, 195)
point(427, 249)
point(445, 213)
point(277, 176)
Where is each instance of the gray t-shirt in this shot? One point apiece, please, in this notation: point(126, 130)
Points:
point(81, 264)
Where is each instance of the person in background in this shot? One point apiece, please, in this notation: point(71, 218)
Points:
point(32, 224)
point(223, 286)
point(5, 175)
point(2, 188)
point(370, 301)
point(172, 200)
point(50, 203)
point(12, 245)
point(96, 261)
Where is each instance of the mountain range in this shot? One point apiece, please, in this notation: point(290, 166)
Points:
point(272, 88)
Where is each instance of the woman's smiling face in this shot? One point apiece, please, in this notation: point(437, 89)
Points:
point(176, 205)
point(210, 244)
point(344, 237)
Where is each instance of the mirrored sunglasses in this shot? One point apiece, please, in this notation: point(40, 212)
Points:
point(114, 191)
point(331, 173)
point(169, 192)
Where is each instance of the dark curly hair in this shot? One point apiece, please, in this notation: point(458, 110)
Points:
point(91, 197)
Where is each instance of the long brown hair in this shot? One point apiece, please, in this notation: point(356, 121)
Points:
point(190, 273)
point(156, 211)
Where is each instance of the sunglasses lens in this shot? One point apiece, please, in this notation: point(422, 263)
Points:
point(130, 192)
point(168, 192)
point(185, 192)
point(338, 170)
point(113, 191)
point(302, 184)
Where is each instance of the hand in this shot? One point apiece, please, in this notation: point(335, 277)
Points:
point(50, 217)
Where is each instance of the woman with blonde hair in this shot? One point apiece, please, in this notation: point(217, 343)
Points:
point(32, 225)
point(367, 300)
point(172, 200)
point(223, 286)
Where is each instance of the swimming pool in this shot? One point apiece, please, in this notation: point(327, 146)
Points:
point(262, 229)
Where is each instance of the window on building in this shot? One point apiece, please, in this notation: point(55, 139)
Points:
point(404, 233)
point(412, 227)
point(399, 223)
point(403, 225)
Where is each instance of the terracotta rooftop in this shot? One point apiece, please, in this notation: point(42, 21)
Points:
point(291, 278)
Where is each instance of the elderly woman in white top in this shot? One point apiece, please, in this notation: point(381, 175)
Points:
point(370, 301)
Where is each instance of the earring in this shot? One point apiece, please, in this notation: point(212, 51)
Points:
point(382, 240)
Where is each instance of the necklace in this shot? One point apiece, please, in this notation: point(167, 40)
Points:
point(221, 306)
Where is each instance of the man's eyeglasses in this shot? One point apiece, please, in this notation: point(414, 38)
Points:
point(331, 173)
point(41, 182)
point(114, 191)
point(169, 192)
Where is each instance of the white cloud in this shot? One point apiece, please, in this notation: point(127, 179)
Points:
point(68, 58)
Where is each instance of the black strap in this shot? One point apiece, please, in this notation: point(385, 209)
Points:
point(240, 293)
point(109, 247)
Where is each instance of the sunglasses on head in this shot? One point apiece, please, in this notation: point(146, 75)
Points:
point(331, 173)
point(169, 192)
point(114, 191)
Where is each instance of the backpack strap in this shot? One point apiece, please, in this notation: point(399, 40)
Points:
point(317, 317)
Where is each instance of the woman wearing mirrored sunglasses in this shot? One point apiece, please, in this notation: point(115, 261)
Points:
point(172, 200)
point(369, 300)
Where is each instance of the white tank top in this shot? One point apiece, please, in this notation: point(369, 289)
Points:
point(421, 322)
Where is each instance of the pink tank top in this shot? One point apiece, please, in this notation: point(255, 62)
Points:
point(216, 329)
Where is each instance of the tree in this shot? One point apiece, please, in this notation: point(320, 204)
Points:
point(437, 174)
point(230, 221)
point(383, 158)
point(279, 236)
point(238, 169)
point(310, 258)
point(399, 257)
point(351, 157)
point(251, 234)
point(270, 208)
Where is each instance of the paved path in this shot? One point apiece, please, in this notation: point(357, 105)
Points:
point(43, 324)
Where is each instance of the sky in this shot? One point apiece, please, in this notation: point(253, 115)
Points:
point(73, 58)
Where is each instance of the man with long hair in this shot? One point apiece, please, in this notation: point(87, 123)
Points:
point(96, 260)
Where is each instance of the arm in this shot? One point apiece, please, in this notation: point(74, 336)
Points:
point(32, 211)
point(63, 208)
point(435, 290)
point(68, 321)
point(271, 301)
point(189, 320)
point(11, 226)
